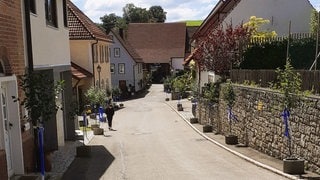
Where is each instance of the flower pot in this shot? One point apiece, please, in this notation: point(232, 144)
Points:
point(93, 126)
point(207, 128)
point(179, 106)
point(167, 99)
point(293, 166)
point(231, 139)
point(84, 151)
point(93, 116)
point(97, 131)
point(193, 120)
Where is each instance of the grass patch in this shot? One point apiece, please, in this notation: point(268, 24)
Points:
point(85, 128)
point(193, 22)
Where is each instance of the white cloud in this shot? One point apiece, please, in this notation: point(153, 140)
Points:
point(177, 10)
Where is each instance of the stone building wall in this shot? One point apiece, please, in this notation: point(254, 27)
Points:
point(263, 129)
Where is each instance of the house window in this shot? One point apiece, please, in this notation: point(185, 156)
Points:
point(106, 53)
point(65, 13)
point(95, 53)
point(121, 68)
point(33, 6)
point(51, 12)
point(101, 54)
point(116, 52)
point(112, 68)
point(109, 53)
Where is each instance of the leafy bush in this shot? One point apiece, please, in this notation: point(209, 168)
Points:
point(211, 92)
point(182, 83)
point(96, 96)
point(228, 94)
point(271, 54)
point(289, 84)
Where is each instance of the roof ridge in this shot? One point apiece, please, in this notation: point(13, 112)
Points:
point(88, 25)
point(78, 18)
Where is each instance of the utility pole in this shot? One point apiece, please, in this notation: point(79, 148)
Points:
point(317, 42)
point(288, 44)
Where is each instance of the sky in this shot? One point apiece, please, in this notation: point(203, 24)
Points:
point(177, 10)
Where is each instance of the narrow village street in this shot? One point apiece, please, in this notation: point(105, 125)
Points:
point(153, 142)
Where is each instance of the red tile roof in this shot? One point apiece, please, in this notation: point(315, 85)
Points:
point(78, 72)
point(158, 42)
point(216, 16)
point(81, 27)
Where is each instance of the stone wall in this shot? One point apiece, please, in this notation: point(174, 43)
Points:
point(263, 129)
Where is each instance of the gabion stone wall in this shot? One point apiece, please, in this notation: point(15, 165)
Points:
point(260, 124)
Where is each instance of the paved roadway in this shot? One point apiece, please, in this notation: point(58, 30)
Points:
point(152, 142)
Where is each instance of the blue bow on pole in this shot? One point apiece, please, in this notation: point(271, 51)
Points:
point(286, 114)
point(100, 113)
point(40, 141)
point(231, 116)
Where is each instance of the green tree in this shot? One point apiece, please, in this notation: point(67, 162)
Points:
point(133, 14)
point(157, 14)
point(254, 25)
point(314, 23)
point(112, 21)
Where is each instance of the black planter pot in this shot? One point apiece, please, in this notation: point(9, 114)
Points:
point(94, 126)
point(97, 131)
point(179, 106)
point(167, 99)
point(231, 139)
point(293, 166)
point(193, 120)
point(207, 128)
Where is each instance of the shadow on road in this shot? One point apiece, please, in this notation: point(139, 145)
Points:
point(93, 167)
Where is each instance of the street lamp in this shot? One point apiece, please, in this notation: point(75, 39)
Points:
point(99, 70)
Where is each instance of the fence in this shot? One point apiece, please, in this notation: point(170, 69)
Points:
point(294, 36)
point(310, 79)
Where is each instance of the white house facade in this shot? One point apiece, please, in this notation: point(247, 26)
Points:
point(51, 55)
point(278, 12)
point(126, 65)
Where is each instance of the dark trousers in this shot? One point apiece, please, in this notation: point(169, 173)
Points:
point(109, 121)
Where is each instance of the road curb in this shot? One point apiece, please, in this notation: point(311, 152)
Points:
point(232, 151)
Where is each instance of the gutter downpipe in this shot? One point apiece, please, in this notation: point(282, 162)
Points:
point(93, 70)
point(28, 36)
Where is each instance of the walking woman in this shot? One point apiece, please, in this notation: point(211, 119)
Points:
point(110, 113)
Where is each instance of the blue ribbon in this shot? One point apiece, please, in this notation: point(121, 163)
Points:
point(286, 114)
point(100, 113)
point(231, 116)
point(40, 139)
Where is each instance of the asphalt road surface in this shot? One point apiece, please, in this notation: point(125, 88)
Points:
point(153, 142)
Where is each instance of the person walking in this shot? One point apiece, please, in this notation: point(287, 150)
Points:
point(110, 113)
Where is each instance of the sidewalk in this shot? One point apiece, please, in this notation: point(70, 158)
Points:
point(247, 153)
